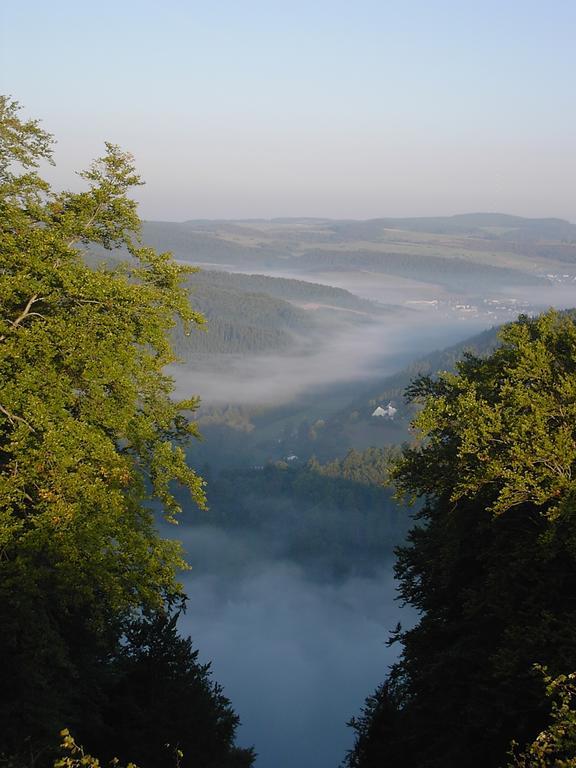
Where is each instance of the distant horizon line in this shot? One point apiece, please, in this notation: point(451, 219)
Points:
point(470, 214)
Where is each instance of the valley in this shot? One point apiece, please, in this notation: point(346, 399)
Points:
point(287, 385)
point(305, 340)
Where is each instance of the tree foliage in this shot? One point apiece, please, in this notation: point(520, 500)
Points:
point(503, 425)
point(74, 755)
point(555, 746)
point(90, 436)
point(162, 698)
point(491, 565)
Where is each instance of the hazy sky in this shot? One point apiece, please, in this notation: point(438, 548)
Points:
point(258, 108)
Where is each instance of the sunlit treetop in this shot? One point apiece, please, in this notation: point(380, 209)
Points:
point(502, 427)
point(89, 432)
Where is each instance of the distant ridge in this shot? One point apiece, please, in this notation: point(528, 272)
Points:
point(476, 218)
point(473, 223)
point(460, 223)
point(479, 250)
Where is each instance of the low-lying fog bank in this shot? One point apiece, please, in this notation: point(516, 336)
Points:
point(297, 655)
point(357, 354)
point(433, 318)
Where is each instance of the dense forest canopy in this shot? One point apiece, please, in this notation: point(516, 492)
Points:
point(285, 288)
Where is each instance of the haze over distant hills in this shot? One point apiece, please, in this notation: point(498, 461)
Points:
point(480, 249)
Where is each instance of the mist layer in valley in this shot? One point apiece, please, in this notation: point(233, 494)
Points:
point(294, 620)
point(347, 355)
point(296, 654)
point(311, 327)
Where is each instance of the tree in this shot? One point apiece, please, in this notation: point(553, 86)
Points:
point(89, 433)
point(491, 565)
point(74, 755)
point(162, 699)
point(555, 746)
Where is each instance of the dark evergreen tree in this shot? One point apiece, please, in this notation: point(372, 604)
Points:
point(160, 699)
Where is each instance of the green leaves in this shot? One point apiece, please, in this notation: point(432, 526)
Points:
point(491, 565)
point(91, 450)
point(555, 746)
point(22, 142)
point(90, 437)
point(503, 426)
point(75, 756)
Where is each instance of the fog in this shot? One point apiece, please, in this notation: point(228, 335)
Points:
point(296, 654)
point(423, 320)
point(298, 650)
point(558, 295)
point(353, 354)
point(376, 286)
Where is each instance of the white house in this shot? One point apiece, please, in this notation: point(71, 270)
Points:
point(387, 413)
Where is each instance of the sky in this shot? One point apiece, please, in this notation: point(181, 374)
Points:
point(266, 108)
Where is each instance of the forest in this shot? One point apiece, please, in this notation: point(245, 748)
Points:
point(337, 518)
point(469, 490)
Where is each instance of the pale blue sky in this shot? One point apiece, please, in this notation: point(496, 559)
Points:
point(249, 109)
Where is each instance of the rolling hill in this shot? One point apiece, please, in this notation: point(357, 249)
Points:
point(458, 252)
